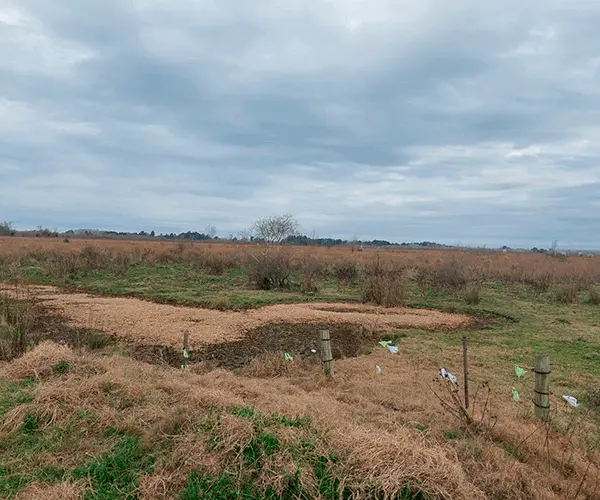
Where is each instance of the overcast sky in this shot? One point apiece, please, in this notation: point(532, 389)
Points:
point(462, 120)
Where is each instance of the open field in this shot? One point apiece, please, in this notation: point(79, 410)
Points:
point(102, 409)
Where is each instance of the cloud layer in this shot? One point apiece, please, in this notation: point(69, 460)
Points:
point(406, 120)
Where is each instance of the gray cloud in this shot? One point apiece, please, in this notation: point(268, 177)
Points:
point(463, 121)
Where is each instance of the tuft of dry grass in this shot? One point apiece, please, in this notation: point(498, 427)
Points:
point(39, 362)
point(18, 315)
point(61, 491)
point(216, 422)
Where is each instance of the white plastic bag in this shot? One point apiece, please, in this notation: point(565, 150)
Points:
point(571, 400)
point(447, 376)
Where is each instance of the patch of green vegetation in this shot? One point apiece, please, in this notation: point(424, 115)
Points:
point(15, 393)
point(10, 483)
point(453, 434)
point(116, 474)
point(31, 423)
point(61, 367)
point(223, 487)
point(20, 453)
point(186, 284)
point(513, 451)
point(240, 481)
point(50, 475)
point(96, 340)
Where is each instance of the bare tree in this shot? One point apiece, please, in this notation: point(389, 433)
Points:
point(275, 229)
point(211, 231)
point(6, 229)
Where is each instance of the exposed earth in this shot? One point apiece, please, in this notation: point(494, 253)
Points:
point(231, 339)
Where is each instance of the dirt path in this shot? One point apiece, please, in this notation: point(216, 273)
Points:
point(160, 324)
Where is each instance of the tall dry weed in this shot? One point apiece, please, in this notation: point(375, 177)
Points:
point(270, 270)
point(345, 272)
point(383, 284)
point(18, 316)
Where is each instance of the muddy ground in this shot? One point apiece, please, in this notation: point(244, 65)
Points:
point(299, 340)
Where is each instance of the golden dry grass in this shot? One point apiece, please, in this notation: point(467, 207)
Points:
point(515, 266)
point(62, 491)
point(386, 428)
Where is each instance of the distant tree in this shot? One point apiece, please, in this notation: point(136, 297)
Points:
point(152, 233)
point(211, 231)
point(275, 229)
point(44, 232)
point(7, 229)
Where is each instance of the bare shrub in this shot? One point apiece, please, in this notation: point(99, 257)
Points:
point(383, 284)
point(215, 264)
point(92, 258)
point(450, 276)
point(311, 271)
point(17, 319)
point(121, 261)
point(423, 279)
point(345, 272)
point(593, 296)
point(567, 293)
point(270, 270)
point(64, 267)
point(473, 294)
point(308, 283)
point(540, 282)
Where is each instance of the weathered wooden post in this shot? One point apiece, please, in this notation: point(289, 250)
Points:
point(466, 371)
point(541, 390)
point(326, 355)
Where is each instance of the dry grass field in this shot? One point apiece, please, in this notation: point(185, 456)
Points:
point(98, 401)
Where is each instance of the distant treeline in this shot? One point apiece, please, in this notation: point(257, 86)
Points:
point(6, 229)
point(198, 236)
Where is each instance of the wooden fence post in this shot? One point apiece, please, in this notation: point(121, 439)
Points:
point(326, 355)
point(466, 371)
point(541, 390)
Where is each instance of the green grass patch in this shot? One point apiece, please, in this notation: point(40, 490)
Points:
point(15, 393)
point(116, 474)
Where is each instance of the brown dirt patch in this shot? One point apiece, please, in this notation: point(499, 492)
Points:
point(161, 324)
point(229, 339)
